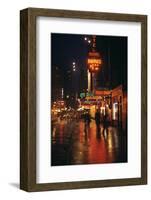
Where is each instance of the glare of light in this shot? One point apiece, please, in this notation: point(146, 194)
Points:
point(80, 109)
point(89, 41)
point(73, 63)
point(62, 92)
point(103, 110)
point(74, 69)
point(115, 110)
point(85, 38)
point(110, 143)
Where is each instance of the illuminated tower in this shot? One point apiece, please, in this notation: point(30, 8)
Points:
point(94, 63)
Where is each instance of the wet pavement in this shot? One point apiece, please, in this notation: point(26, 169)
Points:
point(74, 142)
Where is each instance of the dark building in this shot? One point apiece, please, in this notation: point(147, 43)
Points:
point(113, 70)
point(57, 92)
point(83, 85)
point(70, 87)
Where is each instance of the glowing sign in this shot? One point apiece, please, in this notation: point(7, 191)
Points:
point(94, 61)
point(88, 94)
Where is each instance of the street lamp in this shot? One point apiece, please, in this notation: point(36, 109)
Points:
point(87, 39)
point(74, 66)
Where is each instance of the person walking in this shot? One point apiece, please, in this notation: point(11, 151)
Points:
point(98, 119)
point(105, 123)
point(87, 118)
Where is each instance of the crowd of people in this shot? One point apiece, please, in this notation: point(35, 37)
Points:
point(99, 119)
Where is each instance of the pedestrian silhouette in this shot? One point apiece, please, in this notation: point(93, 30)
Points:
point(98, 120)
point(87, 120)
point(105, 123)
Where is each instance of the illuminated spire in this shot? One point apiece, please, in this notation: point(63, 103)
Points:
point(93, 43)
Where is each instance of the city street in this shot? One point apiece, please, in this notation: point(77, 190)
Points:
point(74, 142)
point(88, 99)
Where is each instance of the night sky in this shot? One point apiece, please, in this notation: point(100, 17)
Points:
point(69, 48)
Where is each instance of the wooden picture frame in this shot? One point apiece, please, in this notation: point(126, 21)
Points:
point(28, 98)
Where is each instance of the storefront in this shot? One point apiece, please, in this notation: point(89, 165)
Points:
point(112, 103)
point(119, 107)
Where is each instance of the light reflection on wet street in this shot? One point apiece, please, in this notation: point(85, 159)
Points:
point(73, 142)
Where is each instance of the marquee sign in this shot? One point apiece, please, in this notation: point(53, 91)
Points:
point(94, 62)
